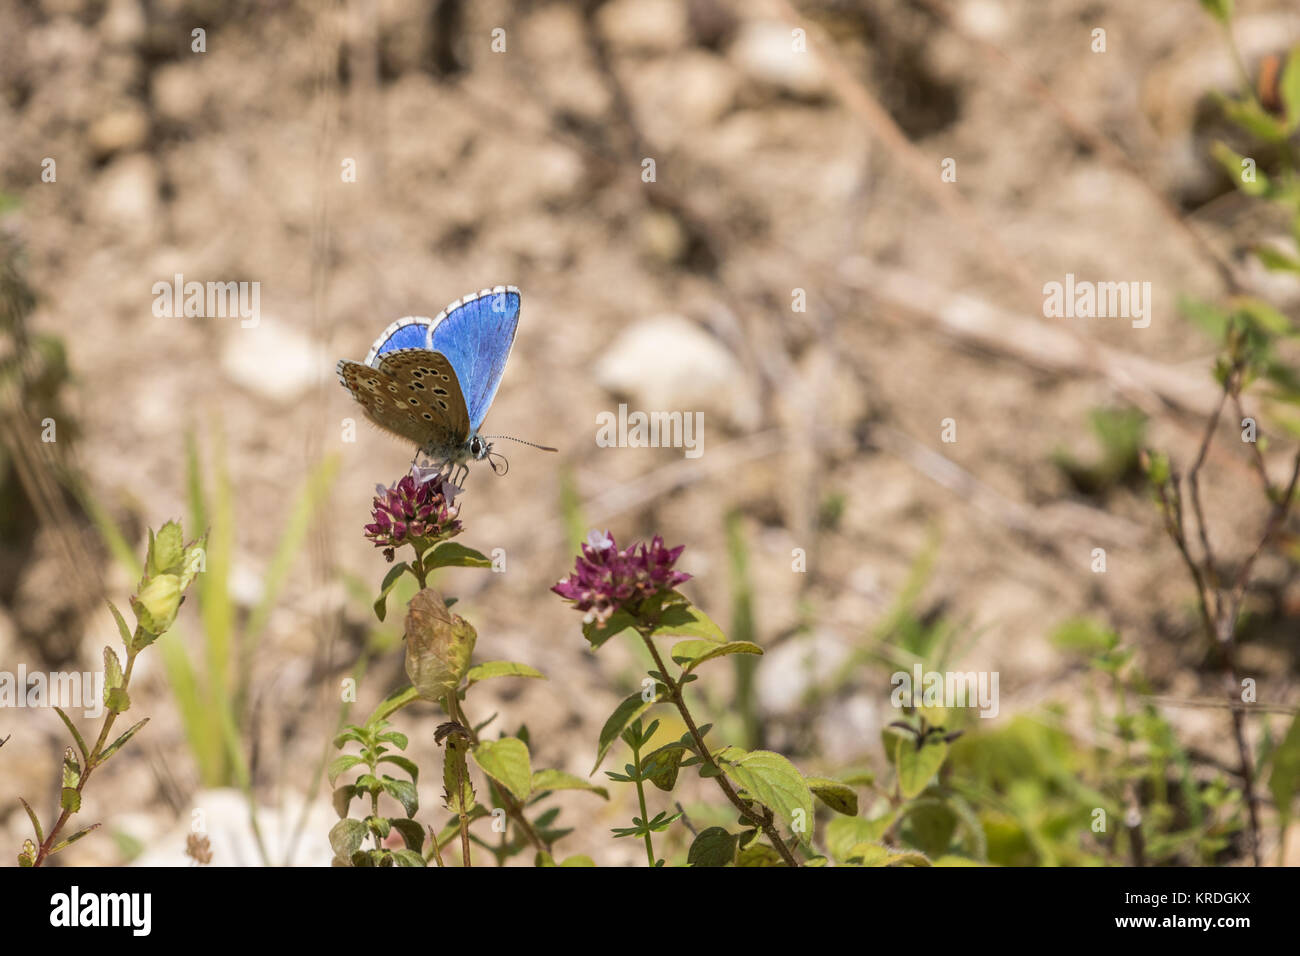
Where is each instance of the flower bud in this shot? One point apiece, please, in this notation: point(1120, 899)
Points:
point(156, 605)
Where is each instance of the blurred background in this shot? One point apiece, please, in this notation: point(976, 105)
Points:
point(840, 243)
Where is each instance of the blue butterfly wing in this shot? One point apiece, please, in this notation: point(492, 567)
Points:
point(410, 332)
point(476, 334)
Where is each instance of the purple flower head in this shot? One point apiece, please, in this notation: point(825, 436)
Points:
point(606, 580)
point(413, 510)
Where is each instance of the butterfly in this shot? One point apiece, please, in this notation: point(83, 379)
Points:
point(432, 381)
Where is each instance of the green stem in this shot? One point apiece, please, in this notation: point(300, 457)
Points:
point(514, 809)
point(645, 814)
point(765, 821)
point(51, 838)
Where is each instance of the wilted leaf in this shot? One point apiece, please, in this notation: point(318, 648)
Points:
point(438, 646)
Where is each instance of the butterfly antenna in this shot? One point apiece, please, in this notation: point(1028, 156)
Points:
point(522, 442)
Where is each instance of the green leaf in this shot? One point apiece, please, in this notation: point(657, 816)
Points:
point(70, 799)
point(1276, 260)
point(626, 712)
point(489, 669)
point(1254, 119)
point(917, 767)
point(933, 824)
point(1233, 163)
point(340, 764)
point(1290, 89)
point(451, 554)
point(686, 620)
point(1221, 10)
point(1211, 319)
point(506, 761)
point(1086, 636)
point(713, 847)
point(168, 549)
point(403, 791)
point(113, 677)
point(759, 854)
point(597, 633)
point(390, 705)
point(412, 833)
point(342, 797)
point(1284, 777)
point(71, 769)
point(346, 837)
point(64, 844)
point(116, 745)
point(875, 854)
point(350, 733)
point(122, 629)
point(840, 797)
point(390, 581)
point(559, 780)
point(404, 762)
point(1263, 316)
point(843, 833)
point(458, 791)
point(76, 735)
point(407, 857)
point(774, 782)
point(668, 760)
point(36, 823)
point(691, 654)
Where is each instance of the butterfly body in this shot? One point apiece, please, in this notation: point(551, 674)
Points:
point(432, 381)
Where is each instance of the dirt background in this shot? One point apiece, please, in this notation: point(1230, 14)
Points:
point(775, 171)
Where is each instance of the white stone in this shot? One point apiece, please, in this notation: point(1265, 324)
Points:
point(230, 836)
point(668, 363)
point(765, 52)
point(271, 360)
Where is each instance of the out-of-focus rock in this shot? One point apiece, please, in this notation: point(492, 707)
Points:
point(127, 197)
point(645, 25)
point(177, 93)
point(224, 821)
point(120, 131)
point(123, 24)
point(668, 363)
point(770, 54)
point(270, 360)
point(794, 668)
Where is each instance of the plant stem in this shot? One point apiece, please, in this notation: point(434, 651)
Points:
point(764, 822)
point(514, 809)
point(645, 814)
point(92, 761)
point(464, 817)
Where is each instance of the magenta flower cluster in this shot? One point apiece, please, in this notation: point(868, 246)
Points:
point(411, 511)
point(606, 580)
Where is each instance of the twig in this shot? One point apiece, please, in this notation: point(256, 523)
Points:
point(763, 821)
